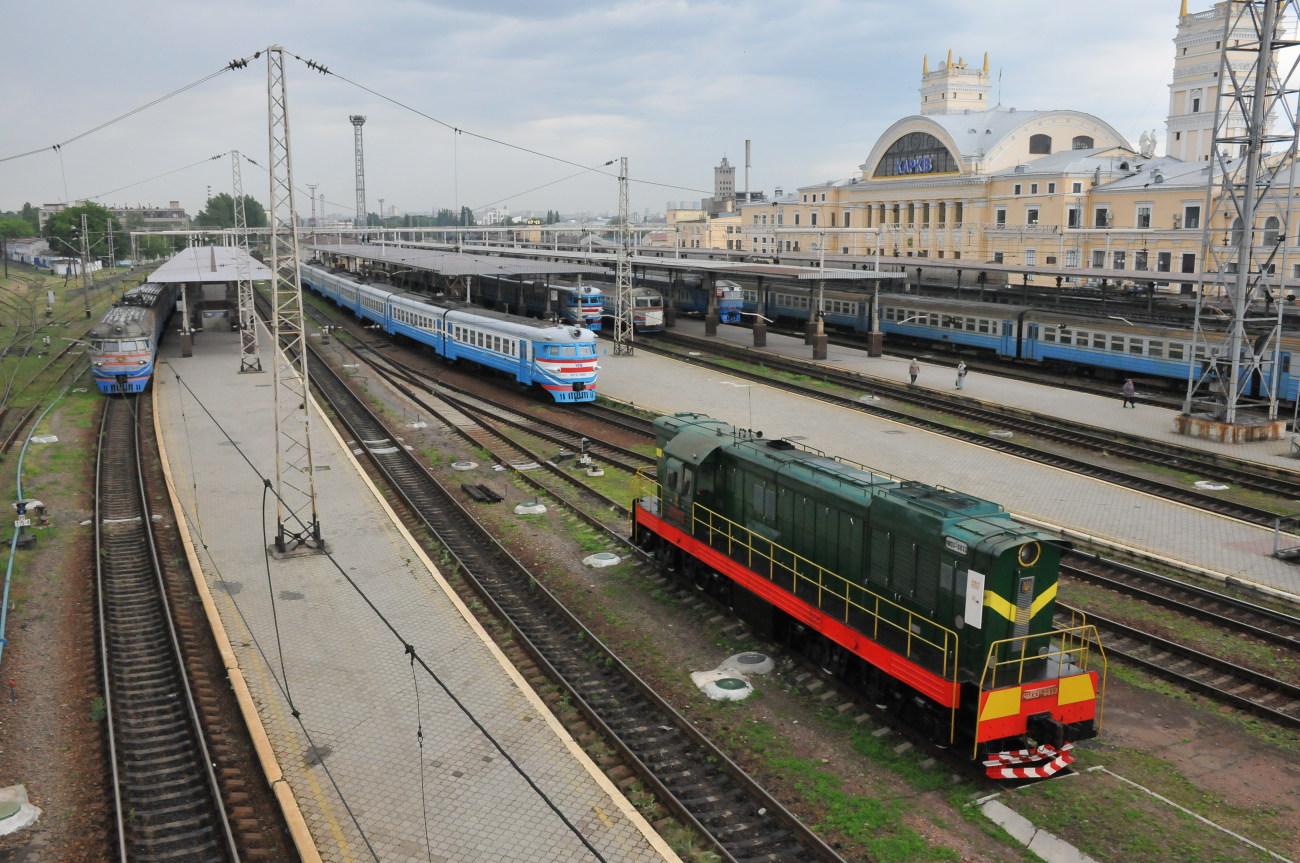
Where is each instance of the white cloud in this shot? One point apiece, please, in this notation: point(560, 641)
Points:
point(672, 84)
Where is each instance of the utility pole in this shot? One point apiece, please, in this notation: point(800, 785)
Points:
point(360, 221)
point(85, 266)
point(311, 189)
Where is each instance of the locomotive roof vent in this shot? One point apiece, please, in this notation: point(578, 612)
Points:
point(780, 443)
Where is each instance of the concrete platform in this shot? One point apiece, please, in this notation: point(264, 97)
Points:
point(353, 760)
point(1077, 506)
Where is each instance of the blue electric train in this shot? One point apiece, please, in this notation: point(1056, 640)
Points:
point(578, 305)
point(1109, 347)
point(124, 343)
point(561, 359)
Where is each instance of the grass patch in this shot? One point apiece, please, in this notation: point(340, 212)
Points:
point(1110, 819)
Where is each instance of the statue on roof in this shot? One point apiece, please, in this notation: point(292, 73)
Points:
point(1147, 144)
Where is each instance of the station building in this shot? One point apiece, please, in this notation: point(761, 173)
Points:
point(967, 180)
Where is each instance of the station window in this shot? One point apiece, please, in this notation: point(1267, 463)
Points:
point(1051, 188)
point(1033, 188)
point(1076, 188)
point(1015, 190)
point(1031, 216)
point(1000, 216)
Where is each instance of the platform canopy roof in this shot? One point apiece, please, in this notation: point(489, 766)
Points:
point(394, 258)
point(210, 264)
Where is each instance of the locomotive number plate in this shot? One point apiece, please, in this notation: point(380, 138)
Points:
point(1038, 692)
point(956, 546)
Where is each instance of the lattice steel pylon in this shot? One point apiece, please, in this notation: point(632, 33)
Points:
point(362, 218)
point(623, 306)
point(249, 358)
point(1248, 217)
point(295, 485)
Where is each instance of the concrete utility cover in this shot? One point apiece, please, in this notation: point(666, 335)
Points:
point(728, 689)
point(749, 663)
point(602, 558)
point(999, 433)
point(1208, 485)
point(463, 465)
point(721, 684)
point(530, 507)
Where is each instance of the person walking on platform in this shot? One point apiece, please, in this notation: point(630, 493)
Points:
point(1128, 391)
point(914, 369)
point(961, 375)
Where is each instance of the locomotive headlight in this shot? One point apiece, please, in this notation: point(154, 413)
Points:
point(1029, 553)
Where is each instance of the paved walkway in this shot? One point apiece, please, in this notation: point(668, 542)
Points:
point(1079, 506)
point(354, 761)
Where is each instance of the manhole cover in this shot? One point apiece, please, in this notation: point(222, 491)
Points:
point(463, 465)
point(730, 683)
point(602, 558)
point(9, 808)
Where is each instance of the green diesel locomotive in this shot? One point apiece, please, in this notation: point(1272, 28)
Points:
point(934, 603)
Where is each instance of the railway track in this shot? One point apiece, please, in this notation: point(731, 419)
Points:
point(686, 773)
point(166, 795)
point(1281, 484)
point(1224, 681)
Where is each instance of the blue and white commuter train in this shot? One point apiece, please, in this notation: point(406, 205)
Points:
point(693, 297)
point(579, 305)
point(124, 343)
point(561, 359)
point(1107, 346)
point(647, 308)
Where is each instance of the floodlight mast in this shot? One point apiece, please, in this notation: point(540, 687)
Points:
point(295, 484)
point(362, 217)
point(1222, 366)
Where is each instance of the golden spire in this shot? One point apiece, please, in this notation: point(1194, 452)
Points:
point(950, 55)
point(986, 56)
point(1183, 12)
point(925, 64)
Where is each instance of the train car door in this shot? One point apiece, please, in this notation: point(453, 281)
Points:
point(1007, 340)
point(1029, 341)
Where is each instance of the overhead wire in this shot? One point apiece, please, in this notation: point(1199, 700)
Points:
point(58, 148)
point(324, 70)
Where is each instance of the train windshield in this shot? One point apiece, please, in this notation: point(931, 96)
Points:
point(646, 302)
point(119, 346)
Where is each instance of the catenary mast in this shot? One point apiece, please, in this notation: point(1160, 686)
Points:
point(1248, 217)
point(249, 358)
point(295, 487)
point(623, 311)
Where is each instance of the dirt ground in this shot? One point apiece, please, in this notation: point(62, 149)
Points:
point(49, 735)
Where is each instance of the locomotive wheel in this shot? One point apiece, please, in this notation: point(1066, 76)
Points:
point(667, 555)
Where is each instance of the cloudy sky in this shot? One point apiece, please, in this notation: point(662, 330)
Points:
point(674, 85)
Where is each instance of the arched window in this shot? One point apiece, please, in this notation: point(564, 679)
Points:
point(1272, 231)
point(1236, 232)
point(916, 153)
point(1082, 142)
point(1040, 144)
